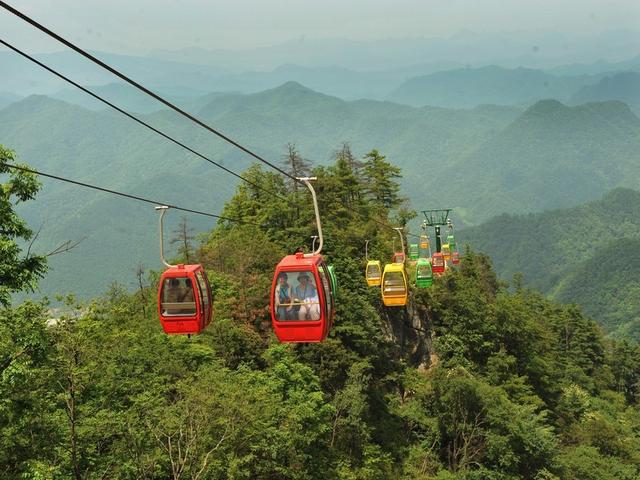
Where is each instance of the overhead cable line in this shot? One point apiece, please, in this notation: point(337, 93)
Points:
point(126, 195)
point(131, 116)
point(152, 128)
point(142, 88)
point(157, 97)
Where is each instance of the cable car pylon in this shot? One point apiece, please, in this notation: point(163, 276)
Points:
point(424, 271)
point(437, 218)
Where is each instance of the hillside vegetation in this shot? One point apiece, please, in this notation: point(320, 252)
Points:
point(584, 255)
point(482, 162)
point(107, 149)
point(551, 156)
point(471, 381)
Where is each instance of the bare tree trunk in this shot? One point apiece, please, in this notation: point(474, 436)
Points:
point(71, 413)
point(143, 297)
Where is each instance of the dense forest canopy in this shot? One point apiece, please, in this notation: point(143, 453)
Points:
point(585, 255)
point(473, 380)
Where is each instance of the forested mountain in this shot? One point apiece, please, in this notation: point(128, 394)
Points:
point(470, 87)
point(107, 149)
point(547, 157)
point(585, 255)
point(624, 86)
point(551, 156)
point(607, 284)
point(331, 80)
point(470, 382)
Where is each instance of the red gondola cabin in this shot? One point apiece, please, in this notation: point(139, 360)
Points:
point(184, 300)
point(398, 257)
point(437, 263)
point(455, 258)
point(302, 305)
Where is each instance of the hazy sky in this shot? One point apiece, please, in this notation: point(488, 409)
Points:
point(137, 26)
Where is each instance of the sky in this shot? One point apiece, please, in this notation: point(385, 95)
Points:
point(140, 26)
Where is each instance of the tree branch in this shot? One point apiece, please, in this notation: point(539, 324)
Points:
point(65, 247)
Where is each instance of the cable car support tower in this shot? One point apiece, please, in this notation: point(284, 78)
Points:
point(436, 218)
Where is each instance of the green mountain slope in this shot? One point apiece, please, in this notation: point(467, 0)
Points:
point(552, 156)
point(607, 285)
point(107, 149)
point(585, 254)
point(469, 87)
point(482, 162)
point(624, 86)
point(130, 99)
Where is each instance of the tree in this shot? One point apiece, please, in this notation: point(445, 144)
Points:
point(380, 180)
point(297, 166)
point(344, 154)
point(183, 236)
point(17, 272)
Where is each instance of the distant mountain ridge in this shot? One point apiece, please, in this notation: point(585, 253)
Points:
point(469, 87)
point(536, 49)
point(601, 66)
point(483, 161)
point(551, 156)
point(420, 79)
point(7, 98)
point(623, 86)
point(22, 77)
point(104, 148)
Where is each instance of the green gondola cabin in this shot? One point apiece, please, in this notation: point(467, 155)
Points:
point(452, 242)
point(424, 275)
point(334, 280)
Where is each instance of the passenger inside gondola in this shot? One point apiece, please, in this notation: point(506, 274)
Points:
point(177, 297)
point(424, 271)
point(298, 301)
point(394, 284)
point(373, 271)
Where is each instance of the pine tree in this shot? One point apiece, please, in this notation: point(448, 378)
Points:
point(379, 178)
point(183, 236)
point(297, 166)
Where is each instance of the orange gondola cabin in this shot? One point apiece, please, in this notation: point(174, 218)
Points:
point(302, 304)
point(184, 300)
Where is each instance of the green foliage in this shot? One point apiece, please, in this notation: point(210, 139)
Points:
point(17, 272)
point(575, 255)
point(98, 145)
point(586, 463)
point(471, 382)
